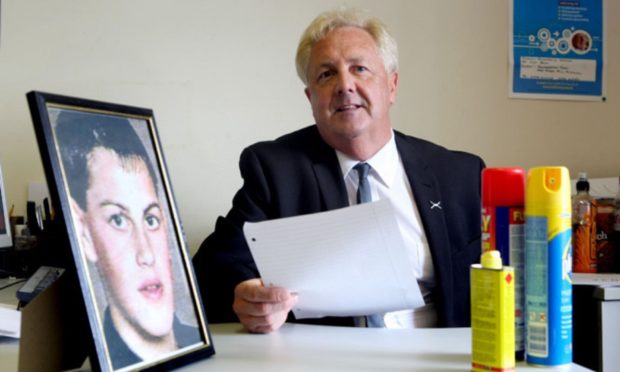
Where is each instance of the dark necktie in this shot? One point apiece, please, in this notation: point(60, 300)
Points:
point(363, 188)
point(364, 196)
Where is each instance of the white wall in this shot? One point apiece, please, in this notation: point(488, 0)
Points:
point(220, 75)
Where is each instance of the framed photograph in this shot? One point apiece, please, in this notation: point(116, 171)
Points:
point(5, 226)
point(109, 183)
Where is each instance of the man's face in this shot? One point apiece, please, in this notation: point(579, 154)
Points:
point(129, 242)
point(348, 87)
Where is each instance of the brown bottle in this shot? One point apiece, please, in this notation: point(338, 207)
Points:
point(584, 228)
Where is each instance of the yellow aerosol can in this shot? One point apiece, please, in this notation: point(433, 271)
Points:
point(548, 267)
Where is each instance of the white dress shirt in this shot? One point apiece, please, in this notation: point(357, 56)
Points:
point(388, 180)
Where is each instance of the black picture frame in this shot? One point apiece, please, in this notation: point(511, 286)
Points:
point(125, 234)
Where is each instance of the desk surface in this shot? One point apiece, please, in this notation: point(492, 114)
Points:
point(9, 347)
point(298, 347)
point(7, 295)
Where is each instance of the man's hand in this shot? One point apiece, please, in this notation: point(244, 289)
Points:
point(262, 309)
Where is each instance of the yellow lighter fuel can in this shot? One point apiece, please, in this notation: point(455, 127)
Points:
point(492, 314)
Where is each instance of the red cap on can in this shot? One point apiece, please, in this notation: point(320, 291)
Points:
point(503, 186)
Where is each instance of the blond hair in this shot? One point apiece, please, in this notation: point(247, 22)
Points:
point(330, 20)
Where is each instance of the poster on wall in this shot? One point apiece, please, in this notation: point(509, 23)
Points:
point(557, 49)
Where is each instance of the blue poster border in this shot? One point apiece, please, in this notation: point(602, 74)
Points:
point(557, 49)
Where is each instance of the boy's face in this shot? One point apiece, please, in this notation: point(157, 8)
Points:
point(125, 234)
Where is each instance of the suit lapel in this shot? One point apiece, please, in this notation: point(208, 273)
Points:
point(328, 174)
point(427, 196)
point(333, 190)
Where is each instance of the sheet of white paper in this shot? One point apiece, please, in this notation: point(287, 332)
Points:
point(10, 322)
point(345, 262)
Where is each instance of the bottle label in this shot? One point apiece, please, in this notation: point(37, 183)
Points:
point(585, 255)
point(548, 287)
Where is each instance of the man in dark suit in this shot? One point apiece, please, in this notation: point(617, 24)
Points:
point(348, 62)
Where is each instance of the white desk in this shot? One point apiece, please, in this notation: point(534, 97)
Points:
point(9, 353)
point(298, 347)
point(9, 347)
point(317, 348)
point(7, 295)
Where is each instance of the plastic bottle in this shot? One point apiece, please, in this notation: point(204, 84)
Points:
point(584, 228)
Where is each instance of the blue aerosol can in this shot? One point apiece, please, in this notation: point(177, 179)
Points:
point(548, 267)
